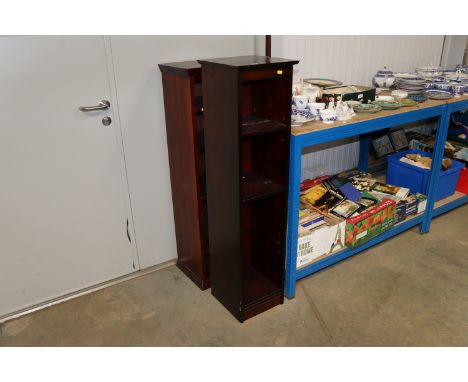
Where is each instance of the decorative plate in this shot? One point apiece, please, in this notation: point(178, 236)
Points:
point(388, 105)
point(420, 98)
point(368, 108)
point(408, 101)
point(438, 94)
point(322, 82)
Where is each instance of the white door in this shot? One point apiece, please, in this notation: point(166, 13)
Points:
point(64, 204)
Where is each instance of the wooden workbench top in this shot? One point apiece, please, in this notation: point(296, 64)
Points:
point(360, 117)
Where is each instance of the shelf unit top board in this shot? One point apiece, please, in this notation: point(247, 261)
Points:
point(183, 68)
point(249, 62)
point(313, 126)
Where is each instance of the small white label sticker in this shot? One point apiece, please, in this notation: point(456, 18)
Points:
point(362, 234)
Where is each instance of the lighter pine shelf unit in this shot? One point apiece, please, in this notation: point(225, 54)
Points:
point(314, 133)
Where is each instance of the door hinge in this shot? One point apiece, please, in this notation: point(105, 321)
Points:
point(128, 236)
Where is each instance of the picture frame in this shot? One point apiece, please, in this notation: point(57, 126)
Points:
point(399, 140)
point(382, 146)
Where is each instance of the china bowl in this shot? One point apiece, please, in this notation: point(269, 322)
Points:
point(399, 94)
point(430, 85)
point(384, 98)
point(429, 71)
point(446, 86)
point(328, 115)
point(300, 101)
point(458, 89)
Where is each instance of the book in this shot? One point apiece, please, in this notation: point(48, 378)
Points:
point(345, 209)
point(363, 184)
point(329, 200)
point(350, 192)
point(385, 188)
point(309, 183)
point(365, 202)
point(313, 194)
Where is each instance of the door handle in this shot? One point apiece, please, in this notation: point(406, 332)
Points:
point(103, 105)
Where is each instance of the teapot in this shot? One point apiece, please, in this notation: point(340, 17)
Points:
point(311, 91)
point(383, 79)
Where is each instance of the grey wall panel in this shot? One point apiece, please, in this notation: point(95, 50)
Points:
point(352, 60)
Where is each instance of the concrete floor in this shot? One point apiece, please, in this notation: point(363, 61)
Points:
point(411, 290)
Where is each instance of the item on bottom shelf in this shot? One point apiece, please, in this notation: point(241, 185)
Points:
point(372, 222)
point(321, 241)
point(422, 201)
point(385, 188)
point(462, 185)
point(382, 146)
point(417, 179)
point(398, 138)
point(345, 209)
point(312, 195)
point(424, 162)
point(406, 207)
point(309, 220)
point(350, 192)
point(309, 183)
point(365, 202)
point(329, 200)
point(363, 184)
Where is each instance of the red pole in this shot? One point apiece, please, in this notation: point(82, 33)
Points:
point(268, 45)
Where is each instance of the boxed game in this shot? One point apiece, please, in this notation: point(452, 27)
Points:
point(361, 228)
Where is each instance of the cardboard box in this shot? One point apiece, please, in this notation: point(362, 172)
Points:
point(365, 93)
point(370, 223)
point(321, 241)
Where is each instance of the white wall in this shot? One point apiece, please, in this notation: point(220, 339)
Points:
point(355, 59)
point(454, 49)
point(352, 60)
point(140, 99)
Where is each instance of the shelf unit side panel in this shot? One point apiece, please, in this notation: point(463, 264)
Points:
point(178, 103)
point(221, 117)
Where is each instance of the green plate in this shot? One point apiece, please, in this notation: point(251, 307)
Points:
point(407, 102)
point(367, 108)
point(388, 105)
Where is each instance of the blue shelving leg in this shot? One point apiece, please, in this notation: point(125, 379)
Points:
point(364, 145)
point(293, 215)
point(437, 157)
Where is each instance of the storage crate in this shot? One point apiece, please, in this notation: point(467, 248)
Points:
point(417, 179)
point(462, 185)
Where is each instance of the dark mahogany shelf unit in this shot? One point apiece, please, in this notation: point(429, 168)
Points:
point(247, 120)
point(183, 103)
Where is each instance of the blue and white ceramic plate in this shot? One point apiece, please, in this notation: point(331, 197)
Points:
point(438, 94)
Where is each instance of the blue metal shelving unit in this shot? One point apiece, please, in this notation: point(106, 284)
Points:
point(440, 110)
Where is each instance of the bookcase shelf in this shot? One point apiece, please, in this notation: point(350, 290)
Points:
point(256, 187)
point(255, 125)
point(247, 176)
